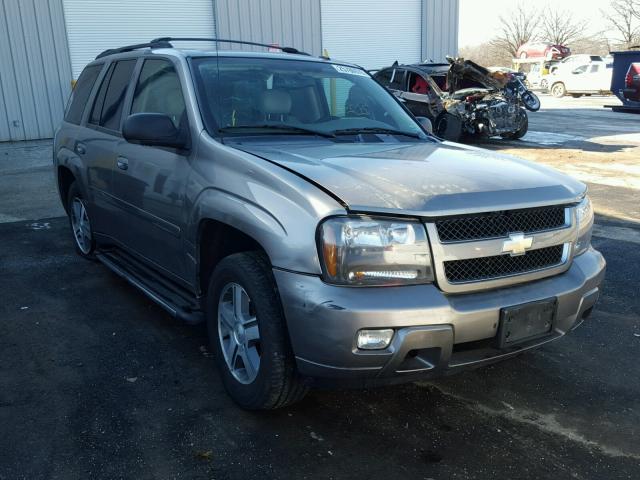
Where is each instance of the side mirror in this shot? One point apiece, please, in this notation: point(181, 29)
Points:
point(153, 129)
point(426, 124)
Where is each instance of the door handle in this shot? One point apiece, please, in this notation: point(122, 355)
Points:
point(122, 163)
point(80, 149)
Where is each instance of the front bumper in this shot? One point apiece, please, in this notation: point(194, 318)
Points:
point(435, 334)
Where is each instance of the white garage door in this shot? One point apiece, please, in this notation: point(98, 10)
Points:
point(372, 33)
point(97, 25)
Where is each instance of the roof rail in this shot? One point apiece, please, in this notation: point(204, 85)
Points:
point(164, 42)
point(222, 40)
point(129, 48)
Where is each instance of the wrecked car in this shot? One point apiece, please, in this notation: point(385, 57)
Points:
point(462, 98)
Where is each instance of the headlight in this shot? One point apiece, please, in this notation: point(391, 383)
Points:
point(374, 251)
point(584, 214)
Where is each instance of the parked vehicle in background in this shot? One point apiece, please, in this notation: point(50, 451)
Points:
point(632, 83)
point(624, 82)
point(462, 98)
point(573, 61)
point(293, 204)
point(538, 75)
point(550, 51)
point(591, 78)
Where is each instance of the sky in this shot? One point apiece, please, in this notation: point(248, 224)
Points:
point(479, 18)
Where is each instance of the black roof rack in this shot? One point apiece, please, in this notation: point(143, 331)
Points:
point(129, 48)
point(165, 42)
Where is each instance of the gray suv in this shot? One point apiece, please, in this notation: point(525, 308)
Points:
point(322, 233)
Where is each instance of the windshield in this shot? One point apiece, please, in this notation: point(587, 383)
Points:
point(266, 96)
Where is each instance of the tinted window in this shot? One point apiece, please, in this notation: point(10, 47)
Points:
point(114, 99)
point(158, 91)
point(109, 102)
point(384, 77)
point(94, 118)
point(81, 92)
point(397, 80)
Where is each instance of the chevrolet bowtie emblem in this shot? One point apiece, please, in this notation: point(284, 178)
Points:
point(517, 244)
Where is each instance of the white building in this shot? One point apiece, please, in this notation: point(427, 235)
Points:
point(44, 44)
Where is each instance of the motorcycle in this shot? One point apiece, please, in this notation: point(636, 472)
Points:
point(515, 88)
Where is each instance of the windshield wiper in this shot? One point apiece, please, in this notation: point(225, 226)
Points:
point(282, 128)
point(387, 131)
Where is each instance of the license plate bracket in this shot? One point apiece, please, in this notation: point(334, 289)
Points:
point(527, 321)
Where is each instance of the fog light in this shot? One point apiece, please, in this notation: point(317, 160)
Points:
point(374, 339)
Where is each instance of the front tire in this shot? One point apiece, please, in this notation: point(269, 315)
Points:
point(531, 101)
point(80, 222)
point(449, 127)
point(247, 332)
point(521, 132)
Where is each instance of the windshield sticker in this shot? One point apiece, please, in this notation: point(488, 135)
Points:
point(350, 70)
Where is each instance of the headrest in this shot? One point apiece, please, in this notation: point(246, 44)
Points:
point(276, 102)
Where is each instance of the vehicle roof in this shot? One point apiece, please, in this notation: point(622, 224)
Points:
point(192, 53)
point(422, 67)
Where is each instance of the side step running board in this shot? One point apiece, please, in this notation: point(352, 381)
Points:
point(172, 298)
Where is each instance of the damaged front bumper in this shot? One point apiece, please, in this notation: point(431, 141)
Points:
point(435, 334)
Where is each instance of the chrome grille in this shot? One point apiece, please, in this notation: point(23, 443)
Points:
point(487, 268)
point(500, 224)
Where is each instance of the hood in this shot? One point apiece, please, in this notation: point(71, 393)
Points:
point(465, 73)
point(421, 179)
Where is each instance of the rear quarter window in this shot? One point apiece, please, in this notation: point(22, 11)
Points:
point(80, 94)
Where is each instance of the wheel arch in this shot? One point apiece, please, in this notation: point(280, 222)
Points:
point(217, 240)
point(65, 178)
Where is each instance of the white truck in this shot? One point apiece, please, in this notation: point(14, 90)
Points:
point(584, 79)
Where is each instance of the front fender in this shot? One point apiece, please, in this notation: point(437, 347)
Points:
point(275, 207)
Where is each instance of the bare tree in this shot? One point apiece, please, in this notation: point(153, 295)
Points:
point(622, 16)
point(560, 27)
point(516, 28)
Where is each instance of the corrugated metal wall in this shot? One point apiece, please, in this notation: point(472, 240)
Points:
point(440, 23)
point(293, 23)
point(35, 72)
point(97, 25)
point(373, 33)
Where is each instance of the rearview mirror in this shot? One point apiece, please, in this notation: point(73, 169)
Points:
point(153, 129)
point(426, 124)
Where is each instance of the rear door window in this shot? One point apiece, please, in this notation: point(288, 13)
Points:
point(107, 109)
point(384, 77)
point(81, 92)
point(398, 80)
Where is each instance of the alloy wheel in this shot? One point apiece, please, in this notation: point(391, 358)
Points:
point(81, 225)
point(239, 333)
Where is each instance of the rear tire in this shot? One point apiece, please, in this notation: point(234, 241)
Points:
point(259, 335)
point(558, 90)
point(80, 223)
